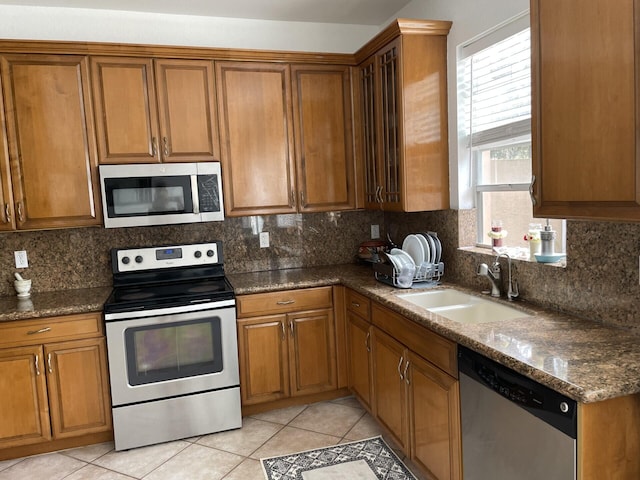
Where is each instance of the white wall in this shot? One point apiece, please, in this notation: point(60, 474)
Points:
point(78, 24)
point(470, 18)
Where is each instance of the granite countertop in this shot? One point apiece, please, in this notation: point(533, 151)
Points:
point(51, 304)
point(585, 360)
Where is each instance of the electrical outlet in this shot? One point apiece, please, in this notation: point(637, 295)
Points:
point(264, 239)
point(21, 259)
point(375, 231)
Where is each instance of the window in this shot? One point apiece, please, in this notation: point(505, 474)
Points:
point(494, 85)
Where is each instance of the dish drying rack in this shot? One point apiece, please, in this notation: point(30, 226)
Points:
point(427, 274)
point(386, 273)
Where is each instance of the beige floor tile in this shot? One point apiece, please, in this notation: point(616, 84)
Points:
point(7, 463)
point(196, 462)
point(250, 469)
point(292, 440)
point(90, 452)
point(349, 402)
point(138, 462)
point(366, 427)
point(93, 472)
point(51, 466)
point(329, 418)
point(244, 441)
point(282, 416)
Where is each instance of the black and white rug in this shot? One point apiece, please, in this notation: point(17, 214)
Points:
point(369, 459)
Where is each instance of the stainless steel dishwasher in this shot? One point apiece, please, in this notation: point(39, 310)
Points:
point(513, 427)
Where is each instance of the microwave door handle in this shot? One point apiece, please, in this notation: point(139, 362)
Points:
point(194, 194)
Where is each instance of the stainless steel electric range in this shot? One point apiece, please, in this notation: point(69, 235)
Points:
point(172, 344)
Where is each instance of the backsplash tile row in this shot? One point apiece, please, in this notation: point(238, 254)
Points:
point(600, 281)
point(79, 258)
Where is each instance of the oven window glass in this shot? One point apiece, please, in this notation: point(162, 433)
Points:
point(142, 196)
point(157, 353)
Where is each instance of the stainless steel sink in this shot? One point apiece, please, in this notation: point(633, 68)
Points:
point(462, 307)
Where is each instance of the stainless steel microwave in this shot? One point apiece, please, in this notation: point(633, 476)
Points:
point(161, 194)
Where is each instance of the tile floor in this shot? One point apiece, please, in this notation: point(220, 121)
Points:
point(233, 455)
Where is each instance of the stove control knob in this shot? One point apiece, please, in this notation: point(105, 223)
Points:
point(139, 259)
point(209, 253)
point(198, 254)
point(126, 260)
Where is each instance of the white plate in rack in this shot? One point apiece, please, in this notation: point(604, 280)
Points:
point(429, 252)
point(414, 248)
point(403, 257)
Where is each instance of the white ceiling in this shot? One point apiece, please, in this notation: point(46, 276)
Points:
point(357, 12)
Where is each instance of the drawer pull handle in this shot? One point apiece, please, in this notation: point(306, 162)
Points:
point(406, 376)
point(37, 366)
point(355, 305)
point(285, 302)
point(399, 367)
point(42, 330)
point(49, 363)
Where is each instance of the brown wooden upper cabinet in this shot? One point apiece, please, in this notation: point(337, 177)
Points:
point(585, 118)
point(286, 136)
point(155, 110)
point(49, 143)
point(403, 117)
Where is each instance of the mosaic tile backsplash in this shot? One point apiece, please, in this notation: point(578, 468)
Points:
point(600, 281)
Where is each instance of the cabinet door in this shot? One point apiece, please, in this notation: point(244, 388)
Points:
point(126, 115)
point(323, 137)
point(434, 409)
point(186, 107)
point(51, 138)
point(389, 133)
point(312, 352)
point(78, 387)
point(370, 144)
point(359, 358)
point(254, 110)
point(23, 397)
point(585, 109)
point(7, 221)
point(264, 363)
point(390, 400)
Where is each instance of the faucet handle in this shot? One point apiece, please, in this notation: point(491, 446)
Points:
point(483, 269)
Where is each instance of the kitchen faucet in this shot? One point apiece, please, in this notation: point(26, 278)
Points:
point(494, 275)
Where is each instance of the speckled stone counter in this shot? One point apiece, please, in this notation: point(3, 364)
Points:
point(584, 360)
point(50, 304)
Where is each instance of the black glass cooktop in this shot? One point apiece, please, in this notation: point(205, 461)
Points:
point(162, 295)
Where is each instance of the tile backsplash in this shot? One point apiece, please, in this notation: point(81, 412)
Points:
point(600, 281)
point(80, 258)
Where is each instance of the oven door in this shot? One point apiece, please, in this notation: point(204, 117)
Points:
point(171, 355)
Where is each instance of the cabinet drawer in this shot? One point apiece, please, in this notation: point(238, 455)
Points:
point(429, 345)
point(358, 304)
point(285, 301)
point(51, 329)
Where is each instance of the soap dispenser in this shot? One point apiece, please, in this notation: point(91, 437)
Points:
point(548, 238)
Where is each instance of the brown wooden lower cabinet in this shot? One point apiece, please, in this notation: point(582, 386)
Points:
point(54, 390)
point(359, 358)
point(416, 399)
point(288, 353)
